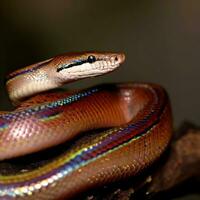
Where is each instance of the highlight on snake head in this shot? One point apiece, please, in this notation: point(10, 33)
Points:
point(58, 70)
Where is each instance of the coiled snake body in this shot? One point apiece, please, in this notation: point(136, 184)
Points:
point(140, 114)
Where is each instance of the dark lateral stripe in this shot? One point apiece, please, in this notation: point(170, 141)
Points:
point(75, 63)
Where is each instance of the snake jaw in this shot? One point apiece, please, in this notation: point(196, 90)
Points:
point(87, 70)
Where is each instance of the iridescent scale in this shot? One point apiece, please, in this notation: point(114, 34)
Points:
point(78, 157)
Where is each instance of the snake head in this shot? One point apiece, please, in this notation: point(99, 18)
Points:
point(58, 70)
point(75, 66)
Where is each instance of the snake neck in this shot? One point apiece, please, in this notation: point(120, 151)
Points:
point(22, 87)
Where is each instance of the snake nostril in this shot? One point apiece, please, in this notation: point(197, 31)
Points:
point(116, 58)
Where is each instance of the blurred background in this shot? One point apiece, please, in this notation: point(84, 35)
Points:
point(161, 40)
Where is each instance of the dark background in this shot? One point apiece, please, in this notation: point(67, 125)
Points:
point(161, 40)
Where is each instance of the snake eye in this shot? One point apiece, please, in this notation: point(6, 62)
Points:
point(91, 59)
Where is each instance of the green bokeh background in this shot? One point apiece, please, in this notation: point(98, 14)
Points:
point(161, 40)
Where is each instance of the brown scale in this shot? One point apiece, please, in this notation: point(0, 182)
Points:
point(129, 159)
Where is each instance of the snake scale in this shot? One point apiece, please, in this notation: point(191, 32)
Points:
point(137, 118)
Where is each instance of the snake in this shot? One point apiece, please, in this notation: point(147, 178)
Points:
point(134, 122)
